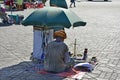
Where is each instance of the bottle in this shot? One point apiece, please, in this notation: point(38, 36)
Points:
point(85, 54)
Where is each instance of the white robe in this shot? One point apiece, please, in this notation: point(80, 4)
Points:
point(38, 42)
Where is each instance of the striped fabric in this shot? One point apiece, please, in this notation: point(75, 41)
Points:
point(55, 56)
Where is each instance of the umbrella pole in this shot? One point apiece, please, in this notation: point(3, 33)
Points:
point(75, 55)
point(43, 43)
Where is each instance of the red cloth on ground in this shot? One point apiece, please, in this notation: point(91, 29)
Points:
point(66, 74)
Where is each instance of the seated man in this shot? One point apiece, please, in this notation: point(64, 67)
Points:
point(3, 15)
point(57, 58)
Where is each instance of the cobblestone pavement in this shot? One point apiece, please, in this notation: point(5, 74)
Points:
point(100, 36)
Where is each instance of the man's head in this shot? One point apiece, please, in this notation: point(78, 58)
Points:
point(61, 34)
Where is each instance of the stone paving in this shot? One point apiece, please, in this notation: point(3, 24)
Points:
point(100, 36)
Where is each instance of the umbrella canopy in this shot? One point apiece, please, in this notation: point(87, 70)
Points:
point(53, 16)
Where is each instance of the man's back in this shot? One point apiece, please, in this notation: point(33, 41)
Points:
point(55, 55)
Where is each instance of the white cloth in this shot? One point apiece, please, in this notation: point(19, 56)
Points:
point(87, 65)
point(38, 41)
point(37, 2)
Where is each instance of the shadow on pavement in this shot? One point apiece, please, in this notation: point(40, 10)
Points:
point(14, 71)
point(23, 71)
point(4, 25)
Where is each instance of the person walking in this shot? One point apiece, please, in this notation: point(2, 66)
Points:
point(72, 2)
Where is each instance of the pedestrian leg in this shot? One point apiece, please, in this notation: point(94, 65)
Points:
point(71, 5)
point(74, 4)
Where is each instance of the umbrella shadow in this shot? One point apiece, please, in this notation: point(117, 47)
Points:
point(14, 71)
point(23, 71)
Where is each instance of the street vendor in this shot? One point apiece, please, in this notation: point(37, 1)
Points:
point(57, 58)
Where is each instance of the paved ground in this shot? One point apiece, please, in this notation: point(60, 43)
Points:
point(100, 36)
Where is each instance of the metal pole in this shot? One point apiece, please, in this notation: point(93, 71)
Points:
point(11, 8)
point(75, 55)
point(11, 18)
